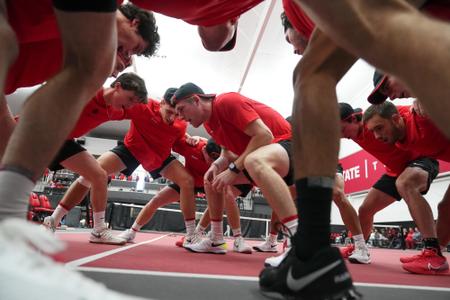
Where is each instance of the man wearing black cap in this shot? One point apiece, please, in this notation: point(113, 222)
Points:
point(198, 158)
point(408, 176)
point(386, 87)
point(375, 31)
point(260, 139)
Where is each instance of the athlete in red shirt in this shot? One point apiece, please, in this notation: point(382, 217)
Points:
point(217, 20)
point(409, 130)
point(357, 27)
point(254, 137)
point(153, 131)
point(88, 57)
point(198, 158)
point(108, 104)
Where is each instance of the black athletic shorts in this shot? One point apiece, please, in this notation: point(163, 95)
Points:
point(386, 183)
point(68, 149)
point(132, 163)
point(289, 178)
point(106, 6)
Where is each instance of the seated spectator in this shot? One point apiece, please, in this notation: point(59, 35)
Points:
point(409, 239)
point(417, 237)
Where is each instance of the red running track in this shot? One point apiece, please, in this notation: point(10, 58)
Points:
point(160, 254)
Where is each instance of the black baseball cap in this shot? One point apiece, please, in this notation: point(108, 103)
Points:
point(211, 147)
point(187, 90)
point(169, 93)
point(231, 43)
point(376, 96)
point(345, 110)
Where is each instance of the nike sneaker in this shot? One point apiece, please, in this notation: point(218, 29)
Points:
point(428, 263)
point(324, 276)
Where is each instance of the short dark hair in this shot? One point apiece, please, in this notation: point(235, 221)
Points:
point(285, 21)
point(385, 110)
point(211, 147)
point(147, 26)
point(132, 82)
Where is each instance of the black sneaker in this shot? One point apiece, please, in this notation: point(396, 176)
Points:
point(324, 276)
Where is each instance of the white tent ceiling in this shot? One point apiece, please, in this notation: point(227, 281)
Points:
point(259, 67)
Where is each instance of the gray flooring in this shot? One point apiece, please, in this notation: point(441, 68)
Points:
point(186, 288)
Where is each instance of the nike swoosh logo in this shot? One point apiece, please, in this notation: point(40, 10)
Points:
point(438, 268)
point(97, 235)
point(296, 285)
point(217, 245)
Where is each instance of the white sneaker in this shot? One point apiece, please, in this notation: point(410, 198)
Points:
point(267, 246)
point(25, 270)
point(49, 223)
point(275, 261)
point(192, 239)
point(360, 255)
point(127, 235)
point(105, 237)
point(241, 246)
point(208, 246)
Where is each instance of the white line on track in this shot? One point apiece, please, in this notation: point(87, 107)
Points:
point(244, 278)
point(88, 259)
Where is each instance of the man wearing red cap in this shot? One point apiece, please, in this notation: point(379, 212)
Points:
point(256, 143)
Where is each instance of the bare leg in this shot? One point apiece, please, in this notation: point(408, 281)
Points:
point(178, 174)
point(316, 139)
point(85, 164)
point(443, 220)
point(374, 202)
point(166, 196)
point(267, 165)
point(347, 211)
point(51, 112)
point(8, 53)
point(379, 32)
point(409, 185)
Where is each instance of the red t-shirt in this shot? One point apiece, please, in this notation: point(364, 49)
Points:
point(40, 48)
point(423, 138)
point(195, 162)
point(149, 138)
point(199, 12)
point(299, 20)
point(392, 157)
point(95, 113)
point(232, 113)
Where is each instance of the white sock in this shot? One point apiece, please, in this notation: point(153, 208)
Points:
point(237, 232)
point(15, 190)
point(217, 230)
point(99, 220)
point(273, 238)
point(58, 214)
point(292, 225)
point(190, 226)
point(136, 227)
point(359, 240)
